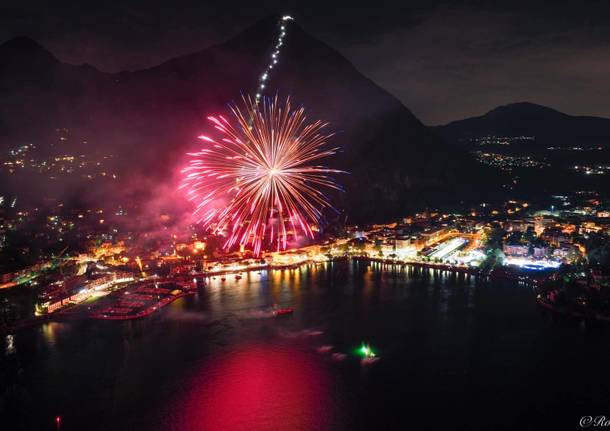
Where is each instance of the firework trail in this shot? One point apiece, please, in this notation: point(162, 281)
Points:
point(275, 55)
point(258, 179)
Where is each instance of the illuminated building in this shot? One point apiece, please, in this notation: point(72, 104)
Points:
point(515, 249)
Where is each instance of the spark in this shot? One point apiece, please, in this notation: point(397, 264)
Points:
point(256, 180)
point(274, 55)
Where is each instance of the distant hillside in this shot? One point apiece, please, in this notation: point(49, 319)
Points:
point(150, 117)
point(548, 126)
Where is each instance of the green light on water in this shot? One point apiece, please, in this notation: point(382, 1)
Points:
point(365, 351)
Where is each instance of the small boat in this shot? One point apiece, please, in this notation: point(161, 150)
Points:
point(283, 311)
point(367, 354)
point(369, 360)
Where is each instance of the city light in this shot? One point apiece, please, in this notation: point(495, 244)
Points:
point(532, 263)
point(204, 227)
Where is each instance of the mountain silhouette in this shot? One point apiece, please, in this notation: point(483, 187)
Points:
point(149, 118)
point(548, 126)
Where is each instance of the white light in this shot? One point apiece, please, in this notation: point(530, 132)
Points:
point(532, 263)
point(274, 55)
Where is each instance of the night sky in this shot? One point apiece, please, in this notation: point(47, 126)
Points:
point(444, 60)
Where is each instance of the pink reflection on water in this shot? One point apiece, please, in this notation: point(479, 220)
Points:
point(258, 387)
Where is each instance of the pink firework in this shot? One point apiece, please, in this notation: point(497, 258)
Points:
point(256, 179)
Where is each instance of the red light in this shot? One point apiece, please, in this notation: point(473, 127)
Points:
point(58, 421)
point(258, 387)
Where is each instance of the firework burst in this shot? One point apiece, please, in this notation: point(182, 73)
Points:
point(258, 178)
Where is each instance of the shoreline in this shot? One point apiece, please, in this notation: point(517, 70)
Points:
point(564, 311)
point(417, 264)
point(147, 312)
point(66, 315)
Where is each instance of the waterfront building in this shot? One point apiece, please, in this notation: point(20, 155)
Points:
point(515, 249)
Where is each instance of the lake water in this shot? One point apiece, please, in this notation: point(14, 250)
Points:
point(454, 353)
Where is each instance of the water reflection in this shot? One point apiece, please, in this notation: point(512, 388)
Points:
point(51, 330)
point(10, 345)
point(220, 360)
point(257, 387)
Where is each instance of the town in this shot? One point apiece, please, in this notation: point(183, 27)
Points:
point(283, 215)
point(110, 272)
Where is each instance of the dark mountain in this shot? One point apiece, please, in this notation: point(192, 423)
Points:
point(38, 93)
point(149, 118)
point(23, 51)
point(548, 126)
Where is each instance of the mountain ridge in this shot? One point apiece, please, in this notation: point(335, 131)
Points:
point(153, 115)
point(548, 125)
